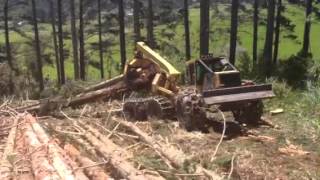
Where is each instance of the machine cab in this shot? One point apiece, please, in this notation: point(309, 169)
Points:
point(214, 73)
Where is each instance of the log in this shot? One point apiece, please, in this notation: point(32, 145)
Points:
point(45, 106)
point(103, 84)
point(94, 172)
point(41, 167)
point(115, 154)
point(60, 160)
point(108, 92)
point(5, 165)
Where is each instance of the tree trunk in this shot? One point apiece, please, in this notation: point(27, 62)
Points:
point(61, 50)
point(122, 34)
point(136, 20)
point(277, 33)
point(100, 40)
point(37, 45)
point(81, 43)
point(267, 53)
point(255, 31)
point(7, 35)
point(233, 32)
point(74, 39)
point(204, 26)
point(307, 28)
point(150, 35)
point(187, 30)
point(55, 41)
point(8, 46)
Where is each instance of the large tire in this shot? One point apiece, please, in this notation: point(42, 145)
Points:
point(250, 113)
point(189, 114)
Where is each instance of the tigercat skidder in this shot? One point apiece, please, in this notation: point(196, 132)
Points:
point(149, 87)
point(217, 86)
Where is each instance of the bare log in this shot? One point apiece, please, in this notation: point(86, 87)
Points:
point(6, 166)
point(94, 172)
point(115, 154)
point(60, 160)
point(41, 167)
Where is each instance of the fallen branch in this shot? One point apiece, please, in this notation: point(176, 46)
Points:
point(169, 156)
point(116, 155)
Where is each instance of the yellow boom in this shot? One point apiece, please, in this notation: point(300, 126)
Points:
point(163, 63)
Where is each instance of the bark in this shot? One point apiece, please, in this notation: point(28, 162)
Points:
point(61, 50)
point(187, 30)
point(150, 33)
point(57, 157)
point(37, 45)
point(136, 20)
point(81, 43)
point(55, 41)
point(277, 33)
point(267, 52)
point(204, 26)
point(255, 31)
point(307, 28)
point(114, 153)
point(100, 40)
point(122, 34)
point(95, 172)
point(74, 39)
point(41, 167)
point(234, 29)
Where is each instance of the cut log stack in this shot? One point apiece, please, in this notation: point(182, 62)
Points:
point(28, 142)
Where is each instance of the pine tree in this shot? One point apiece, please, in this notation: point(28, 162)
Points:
point(277, 32)
point(204, 26)
point(267, 52)
point(187, 29)
point(255, 31)
point(37, 45)
point(61, 50)
point(74, 40)
point(55, 41)
point(234, 29)
point(81, 42)
point(307, 28)
point(122, 34)
point(100, 41)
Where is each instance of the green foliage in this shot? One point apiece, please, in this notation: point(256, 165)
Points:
point(244, 65)
point(280, 88)
point(295, 70)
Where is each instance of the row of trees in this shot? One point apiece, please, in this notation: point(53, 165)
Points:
point(271, 45)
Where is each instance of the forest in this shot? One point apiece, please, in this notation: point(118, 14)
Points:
point(224, 89)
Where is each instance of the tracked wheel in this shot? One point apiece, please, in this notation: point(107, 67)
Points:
point(249, 113)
